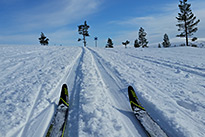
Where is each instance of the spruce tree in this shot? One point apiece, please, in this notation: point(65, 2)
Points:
point(136, 44)
point(166, 42)
point(109, 43)
point(159, 45)
point(142, 40)
point(43, 40)
point(83, 30)
point(187, 20)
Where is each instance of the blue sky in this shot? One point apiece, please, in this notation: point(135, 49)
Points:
point(22, 21)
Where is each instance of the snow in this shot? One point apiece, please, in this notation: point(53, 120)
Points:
point(170, 83)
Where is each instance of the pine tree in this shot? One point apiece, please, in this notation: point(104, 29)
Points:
point(126, 43)
point(166, 42)
point(83, 30)
point(186, 20)
point(136, 44)
point(142, 40)
point(159, 45)
point(43, 39)
point(109, 43)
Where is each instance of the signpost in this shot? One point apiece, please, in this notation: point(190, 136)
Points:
point(96, 38)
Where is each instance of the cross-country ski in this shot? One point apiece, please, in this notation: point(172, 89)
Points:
point(151, 128)
point(59, 122)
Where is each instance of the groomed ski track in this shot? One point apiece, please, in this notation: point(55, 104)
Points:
point(169, 88)
point(97, 104)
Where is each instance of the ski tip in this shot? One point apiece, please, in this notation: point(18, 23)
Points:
point(65, 86)
point(65, 89)
point(130, 88)
point(64, 97)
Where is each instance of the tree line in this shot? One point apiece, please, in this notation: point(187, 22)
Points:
point(187, 26)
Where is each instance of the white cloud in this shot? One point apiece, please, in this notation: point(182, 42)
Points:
point(56, 13)
point(51, 18)
point(156, 25)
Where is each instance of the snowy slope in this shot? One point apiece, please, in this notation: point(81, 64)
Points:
point(170, 84)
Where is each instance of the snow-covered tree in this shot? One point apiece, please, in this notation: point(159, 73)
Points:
point(166, 42)
point(142, 40)
point(187, 20)
point(136, 44)
point(83, 30)
point(109, 43)
point(125, 43)
point(43, 40)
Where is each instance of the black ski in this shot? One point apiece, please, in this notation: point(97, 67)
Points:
point(58, 124)
point(152, 129)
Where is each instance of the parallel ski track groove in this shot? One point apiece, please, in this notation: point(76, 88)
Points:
point(118, 77)
point(73, 125)
point(186, 68)
point(67, 77)
point(116, 80)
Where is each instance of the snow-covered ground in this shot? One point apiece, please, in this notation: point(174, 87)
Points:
point(170, 84)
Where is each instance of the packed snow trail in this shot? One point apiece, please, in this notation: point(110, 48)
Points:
point(169, 83)
point(96, 107)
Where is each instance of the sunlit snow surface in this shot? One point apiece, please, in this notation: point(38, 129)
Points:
point(170, 84)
